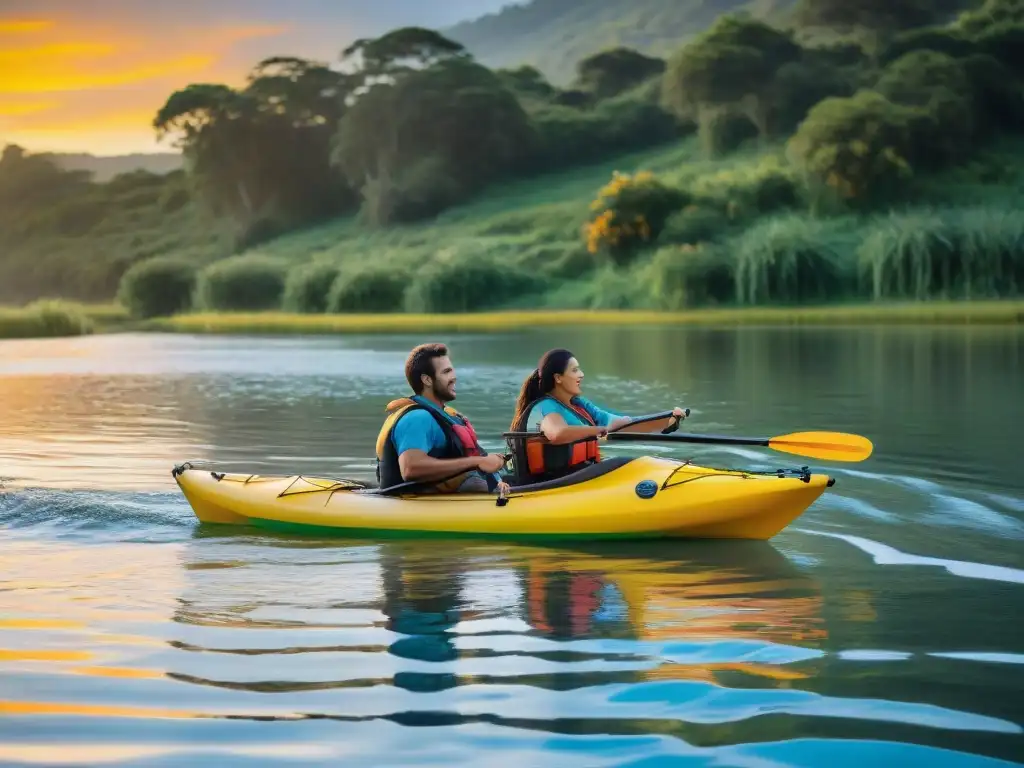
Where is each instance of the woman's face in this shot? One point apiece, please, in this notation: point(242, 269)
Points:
point(571, 379)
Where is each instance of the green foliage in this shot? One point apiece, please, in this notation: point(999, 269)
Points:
point(880, 16)
point(1004, 42)
point(43, 319)
point(569, 137)
point(939, 86)
point(960, 253)
point(527, 83)
point(157, 287)
point(307, 287)
point(686, 276)
point(630, 211)
point(733, 66)
point(696, 224)
point(855, 149)
point(241, 283)
point(455, 114)
point(991, 13)
point(996, 93)
point(300, 142)
point(554, 35)
point(615, 70)
point(951, 41)
point(465, 282)
point(259, 156)
point(750, 190)
point(399, 50)
point(367, 289)
point(791, 259)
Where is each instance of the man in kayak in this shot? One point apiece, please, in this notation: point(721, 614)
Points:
point(423, 440)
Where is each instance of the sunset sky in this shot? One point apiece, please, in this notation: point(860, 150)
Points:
point(89, 75)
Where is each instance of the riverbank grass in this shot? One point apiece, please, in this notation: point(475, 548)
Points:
point(921, 313)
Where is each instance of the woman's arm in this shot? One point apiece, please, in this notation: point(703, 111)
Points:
point(617, 422)
point(558, 432)
point(656, 425)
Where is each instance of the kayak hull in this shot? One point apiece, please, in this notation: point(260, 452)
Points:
point(639, 498)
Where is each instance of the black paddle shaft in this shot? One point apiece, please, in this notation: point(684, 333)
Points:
point(640, 437)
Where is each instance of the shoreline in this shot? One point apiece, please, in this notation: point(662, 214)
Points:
point(1008, 312)
point(105, 319)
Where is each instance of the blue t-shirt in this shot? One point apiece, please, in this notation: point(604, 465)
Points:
point(550, 405)
point(418, 430)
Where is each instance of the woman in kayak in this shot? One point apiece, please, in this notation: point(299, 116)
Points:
point(550, 402)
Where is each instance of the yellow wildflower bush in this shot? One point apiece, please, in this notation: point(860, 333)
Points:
point(629, 212)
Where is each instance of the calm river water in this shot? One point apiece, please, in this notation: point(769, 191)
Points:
point(884, 627)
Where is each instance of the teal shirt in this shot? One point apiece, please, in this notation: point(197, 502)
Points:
point(419, 430)
point(550, 405)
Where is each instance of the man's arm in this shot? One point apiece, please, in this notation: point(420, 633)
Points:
point(416, 465)
point(415, 435)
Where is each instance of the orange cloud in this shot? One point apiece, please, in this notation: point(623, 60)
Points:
point(102, 83)
point(23, 26)
point(21, 109)
point(61, 77)
point(100, 121)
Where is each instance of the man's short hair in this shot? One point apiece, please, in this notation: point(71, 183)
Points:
point(421, 362)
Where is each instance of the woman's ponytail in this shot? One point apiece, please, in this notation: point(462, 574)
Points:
point(528, 393)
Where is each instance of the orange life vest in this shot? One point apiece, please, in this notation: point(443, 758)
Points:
point(461, 440)
point(538, 460)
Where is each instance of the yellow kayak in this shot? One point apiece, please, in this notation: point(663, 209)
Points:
point(619, 498)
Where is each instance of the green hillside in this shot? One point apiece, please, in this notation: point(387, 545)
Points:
point(752, 167)
point(106, 167)
point(553, 35)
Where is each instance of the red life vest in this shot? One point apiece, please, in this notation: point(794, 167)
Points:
point(461, 441)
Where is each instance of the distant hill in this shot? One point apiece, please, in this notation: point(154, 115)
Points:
point(553, 35)
point(105, 168)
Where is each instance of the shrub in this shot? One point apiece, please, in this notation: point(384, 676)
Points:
point(367, 289)
point(43, 319)
point(750, 190)
point(973, 253)
point(938, 85)
point(628, 212)
point(996, 92)
point(565, 260)
point(613, 288)
point(464, 283)
point(157, 287)
point(691, 276)
point(942, 39)
point(307, 287)
point(241, 283)
point(855, 149)
point(695, 224)
point(793, 259)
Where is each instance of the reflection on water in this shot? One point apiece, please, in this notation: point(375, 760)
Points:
point(882, 628)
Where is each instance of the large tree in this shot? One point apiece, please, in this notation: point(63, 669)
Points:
point(874, 22)
point(730, 68)
point(433, 128)
point(260, 155)
point(613, 71)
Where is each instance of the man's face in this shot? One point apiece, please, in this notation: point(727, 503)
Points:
point(443, 382)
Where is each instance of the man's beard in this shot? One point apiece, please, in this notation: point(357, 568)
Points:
point(442, 394)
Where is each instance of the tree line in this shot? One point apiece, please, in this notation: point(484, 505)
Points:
point(405, 125)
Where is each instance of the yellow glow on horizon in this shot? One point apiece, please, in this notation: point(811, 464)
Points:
point(86, 85)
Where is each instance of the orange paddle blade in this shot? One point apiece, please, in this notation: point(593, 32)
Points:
point(831, 446)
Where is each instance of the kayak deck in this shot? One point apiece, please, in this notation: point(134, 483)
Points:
point(622, 498)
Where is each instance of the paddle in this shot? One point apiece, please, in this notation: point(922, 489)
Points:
point(831, 446)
